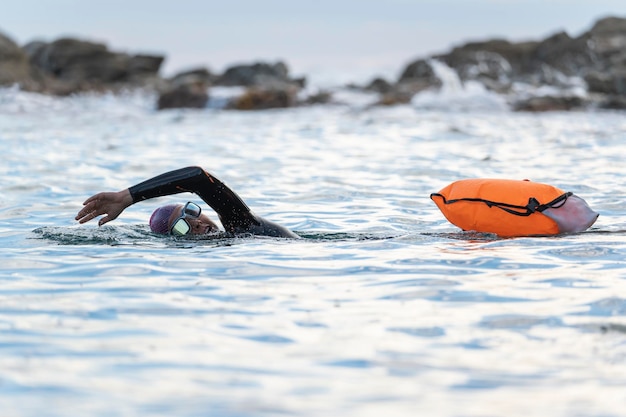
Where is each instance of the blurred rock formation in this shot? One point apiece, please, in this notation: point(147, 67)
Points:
point(597, 57)
point(587, 71)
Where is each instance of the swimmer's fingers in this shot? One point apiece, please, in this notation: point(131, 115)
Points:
point(111, 204)
point(93, 214)
point(87, 217)
point(93, 198)
point(92, 208)
point(106, 219)
point(89, 212)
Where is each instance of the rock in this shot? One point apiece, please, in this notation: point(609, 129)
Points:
point(256, 98)
point(611, 83)
point(497, 64)
point(608, 36)
point(496, 60)
point(613, 103)
point(609, 26)
point(33, 48)
point(80, 65)
point(268, 76)
point(14, 66)
point(548, 103)
point(187, 89)
point(76, 60)
point(269, 86)
point(198, 75)
point(191, 95)
point(254, 74)
point(144, 65)
point(395, 97)
point(379, 85)
point(320, 97)
point(563, 53)
point(598, 56)
point(417, 76)
point(618, 60)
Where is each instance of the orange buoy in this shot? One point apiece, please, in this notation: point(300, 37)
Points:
point(513, 208)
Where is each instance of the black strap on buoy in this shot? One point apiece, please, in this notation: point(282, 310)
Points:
point(530, 208)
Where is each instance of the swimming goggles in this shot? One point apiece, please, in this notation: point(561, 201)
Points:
point(180, 226)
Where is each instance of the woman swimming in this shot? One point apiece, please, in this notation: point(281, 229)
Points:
point(183, 219)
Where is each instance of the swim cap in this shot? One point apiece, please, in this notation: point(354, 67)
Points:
point(160, 218)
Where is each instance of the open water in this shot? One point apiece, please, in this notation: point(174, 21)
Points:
point(382, 309)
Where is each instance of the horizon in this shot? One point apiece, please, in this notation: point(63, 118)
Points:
point(356, 40)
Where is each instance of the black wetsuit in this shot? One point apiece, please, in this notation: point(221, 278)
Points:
point(234, 214)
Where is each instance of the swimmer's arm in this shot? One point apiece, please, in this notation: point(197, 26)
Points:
point(111, 204)
point(234, 214)
point(232, 211)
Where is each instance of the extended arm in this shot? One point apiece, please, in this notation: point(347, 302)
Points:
point(234, 214)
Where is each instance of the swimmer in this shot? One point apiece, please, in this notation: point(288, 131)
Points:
point(184, 219)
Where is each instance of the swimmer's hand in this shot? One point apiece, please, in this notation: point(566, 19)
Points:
point(111, 204)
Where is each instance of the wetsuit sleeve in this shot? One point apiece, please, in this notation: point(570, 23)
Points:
point(234, 214)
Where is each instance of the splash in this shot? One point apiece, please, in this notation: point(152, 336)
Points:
point(106, 235)
point(456, 95)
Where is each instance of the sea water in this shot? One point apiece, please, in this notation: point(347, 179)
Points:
point(382, 308)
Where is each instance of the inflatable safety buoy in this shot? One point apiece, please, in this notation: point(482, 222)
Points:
point(513, 208)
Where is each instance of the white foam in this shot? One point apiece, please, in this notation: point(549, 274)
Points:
point(455, 95)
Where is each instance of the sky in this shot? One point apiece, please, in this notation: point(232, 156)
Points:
point(353, 39)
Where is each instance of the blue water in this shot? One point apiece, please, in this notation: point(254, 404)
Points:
point(383, 308)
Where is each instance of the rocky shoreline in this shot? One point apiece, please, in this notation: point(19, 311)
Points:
point(594, 63)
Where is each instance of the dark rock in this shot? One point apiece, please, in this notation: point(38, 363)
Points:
point(419, 75)
point(494, 59)
point(198, 75)
point(187, 89)
point(77, 65)
point(613, 103)
point(608, 36)
point(269, 87)
point(251, 75)
point(618, 60)
point(598, 56)
point(611, 83)
point(144, 65)
point(76, 60)
point(548, 103)
point(394, 98)
point(563, 53)
point(256, 98)
point(609, 26)
point(320, 97)
point(14, 67)
point(497, 64)
point(379, 85)
point(192, 96)
point(268, 76)
point(33, 48)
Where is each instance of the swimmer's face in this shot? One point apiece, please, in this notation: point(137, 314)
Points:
point(200, 225)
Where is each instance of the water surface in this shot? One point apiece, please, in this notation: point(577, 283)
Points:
point(383, 308)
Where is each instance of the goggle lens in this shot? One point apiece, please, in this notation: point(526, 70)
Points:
point(192, 209)
point(181, 227)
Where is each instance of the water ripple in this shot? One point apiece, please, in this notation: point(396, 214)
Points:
point(383, 308)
